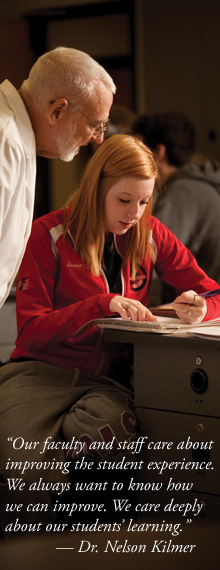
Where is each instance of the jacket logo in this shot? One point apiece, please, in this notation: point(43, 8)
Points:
point(140, 280)
point(23, 284)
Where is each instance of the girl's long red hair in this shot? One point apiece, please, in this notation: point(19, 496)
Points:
point(120, 156)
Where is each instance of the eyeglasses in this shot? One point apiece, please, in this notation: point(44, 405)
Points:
point(97, 129)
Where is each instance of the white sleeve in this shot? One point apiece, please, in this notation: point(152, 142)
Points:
point(13, 213)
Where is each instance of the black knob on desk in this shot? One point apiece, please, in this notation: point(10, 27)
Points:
point(199, 381)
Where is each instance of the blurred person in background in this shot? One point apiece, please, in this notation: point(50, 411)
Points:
point(189, 204)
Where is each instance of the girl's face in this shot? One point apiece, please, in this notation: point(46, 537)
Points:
point(125, 203)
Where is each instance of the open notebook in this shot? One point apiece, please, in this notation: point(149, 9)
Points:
point(164, 325)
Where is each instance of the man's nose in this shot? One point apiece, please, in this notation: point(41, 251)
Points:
point(98, 138)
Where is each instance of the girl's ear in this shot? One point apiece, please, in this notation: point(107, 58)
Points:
point(57, 110)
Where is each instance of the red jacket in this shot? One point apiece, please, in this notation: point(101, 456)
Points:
point(57, 295)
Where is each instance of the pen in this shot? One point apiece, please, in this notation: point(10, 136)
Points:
point(210, 293)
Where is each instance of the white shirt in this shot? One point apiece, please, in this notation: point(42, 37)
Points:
point(17, 183)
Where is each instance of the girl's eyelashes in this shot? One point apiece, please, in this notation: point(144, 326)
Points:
point(127, 202)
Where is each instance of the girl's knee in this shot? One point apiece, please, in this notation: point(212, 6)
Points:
point(100, 434)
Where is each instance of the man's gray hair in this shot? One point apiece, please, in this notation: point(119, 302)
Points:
point(65, 72)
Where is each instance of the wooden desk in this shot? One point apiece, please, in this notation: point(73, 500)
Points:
point(177, 398)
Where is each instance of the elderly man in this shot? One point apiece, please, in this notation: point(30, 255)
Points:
point(63, 105)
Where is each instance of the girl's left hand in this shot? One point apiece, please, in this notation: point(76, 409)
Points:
point(190, 307)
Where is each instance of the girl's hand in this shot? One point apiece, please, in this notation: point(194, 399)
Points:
point(190, 307)
point(130, 308)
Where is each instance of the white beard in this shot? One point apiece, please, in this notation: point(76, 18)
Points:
point(67, 147)
point(69, 155)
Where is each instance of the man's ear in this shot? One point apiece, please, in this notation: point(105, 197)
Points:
point(160, 152)
point(56, 110)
